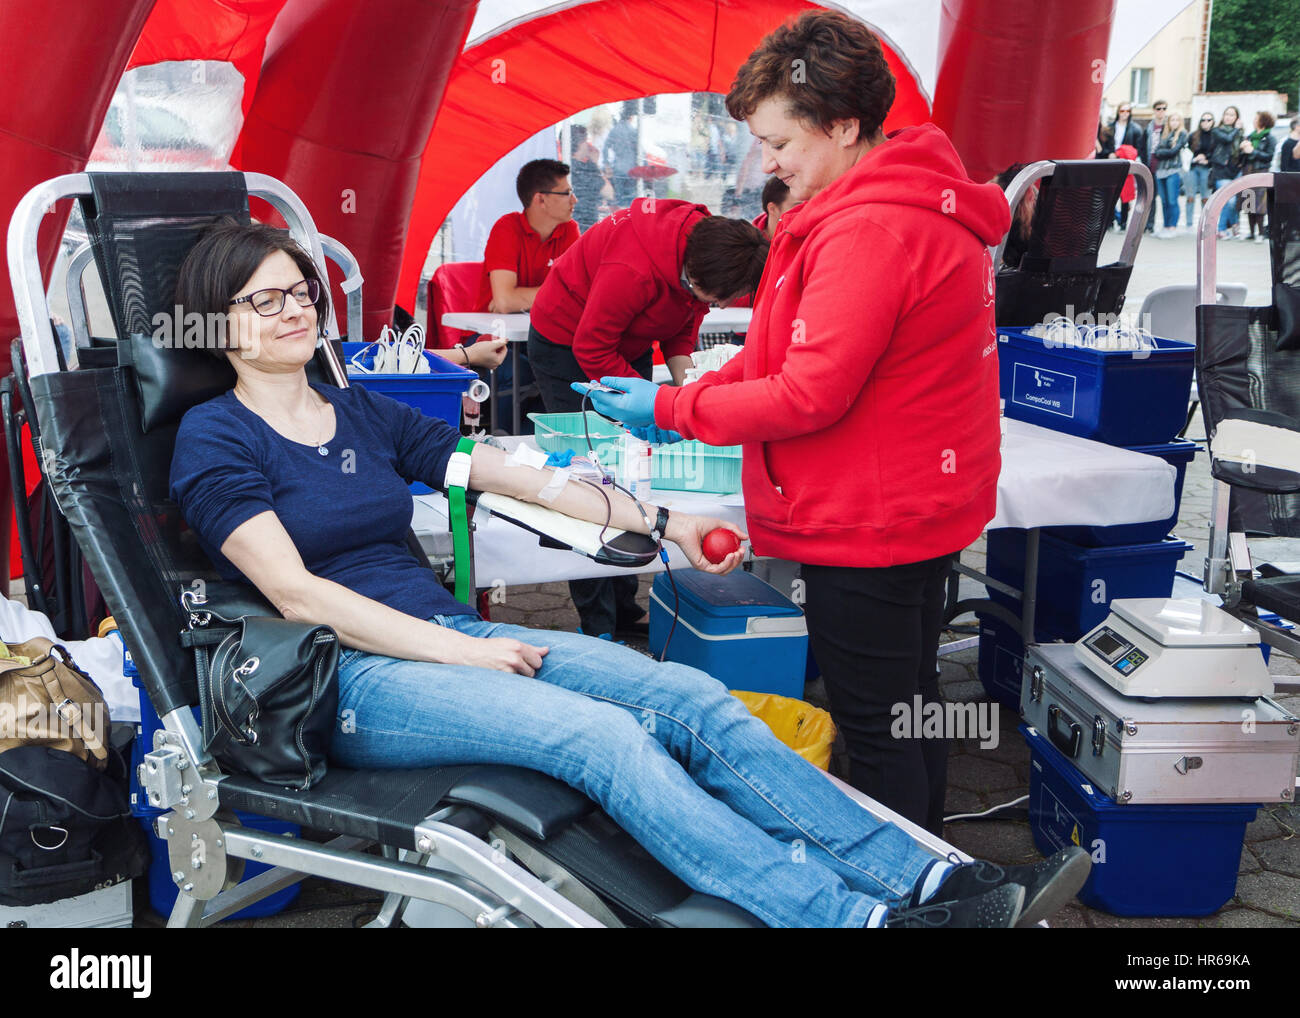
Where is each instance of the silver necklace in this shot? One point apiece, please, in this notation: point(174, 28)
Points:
point(320, 415)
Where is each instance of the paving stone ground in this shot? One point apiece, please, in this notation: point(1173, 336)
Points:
point(1268, 885)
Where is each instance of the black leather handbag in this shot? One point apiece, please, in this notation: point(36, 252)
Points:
point(268, 687)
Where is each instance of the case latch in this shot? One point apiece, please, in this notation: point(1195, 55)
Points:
point(1036, 684)
point(1098, 734)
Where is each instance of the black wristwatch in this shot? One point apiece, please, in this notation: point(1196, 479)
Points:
point(661, 524)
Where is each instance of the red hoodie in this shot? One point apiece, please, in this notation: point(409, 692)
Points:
point(618, 289)
point(867, 394)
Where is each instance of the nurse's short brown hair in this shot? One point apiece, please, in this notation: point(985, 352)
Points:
point(827, 67)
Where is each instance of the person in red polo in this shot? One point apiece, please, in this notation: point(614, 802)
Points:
point(520, 251)
point(523, 246)
point(642, 274)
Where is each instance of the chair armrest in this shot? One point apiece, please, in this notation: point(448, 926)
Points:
point(1257, 449)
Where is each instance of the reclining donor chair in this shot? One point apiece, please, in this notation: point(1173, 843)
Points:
point(484, 845)
point(1248, 378)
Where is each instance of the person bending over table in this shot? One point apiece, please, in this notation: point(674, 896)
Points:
point(642, 274)
point(867, 394)
point(302, 491)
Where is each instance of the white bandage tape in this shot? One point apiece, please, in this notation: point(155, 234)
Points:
point(555, 485)
point(526, 456)
point(457, 471)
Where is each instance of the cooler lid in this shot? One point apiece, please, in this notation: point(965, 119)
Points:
point(735, 595)
point(1184, 622)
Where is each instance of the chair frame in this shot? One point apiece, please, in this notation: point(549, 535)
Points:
point(1137, 220)
point(459, 859)
point(1228, 562)
point(475, 879)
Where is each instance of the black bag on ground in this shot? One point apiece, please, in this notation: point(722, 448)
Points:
point(268, 687)
point(65, 827)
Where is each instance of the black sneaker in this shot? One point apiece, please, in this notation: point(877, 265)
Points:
point(1048, 884)
point(996, 909)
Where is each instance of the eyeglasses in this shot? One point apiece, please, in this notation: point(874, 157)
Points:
point(1207, 120)
point(689, 287)
point(1161, 109)
point(270, 302)
point(562, 194)
point(1126, 109)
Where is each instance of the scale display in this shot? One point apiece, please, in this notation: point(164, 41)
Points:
point(1116, 651)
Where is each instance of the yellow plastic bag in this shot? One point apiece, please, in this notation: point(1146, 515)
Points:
point(806, 729)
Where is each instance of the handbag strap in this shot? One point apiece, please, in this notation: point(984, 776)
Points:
point(68, 709)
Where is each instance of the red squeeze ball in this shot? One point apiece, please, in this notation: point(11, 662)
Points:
point(719, 543)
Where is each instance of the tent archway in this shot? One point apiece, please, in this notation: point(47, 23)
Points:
point(512, 84)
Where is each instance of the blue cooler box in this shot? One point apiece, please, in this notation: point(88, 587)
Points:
point(1120, 397)
point(737, 628)
point(1147, 860)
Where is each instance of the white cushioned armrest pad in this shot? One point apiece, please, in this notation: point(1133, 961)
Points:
point(1237, 441)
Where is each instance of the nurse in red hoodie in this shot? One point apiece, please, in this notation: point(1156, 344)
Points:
point(643, 274)
point(867, 394)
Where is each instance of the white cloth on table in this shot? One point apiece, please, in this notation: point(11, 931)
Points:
point(1051, 479)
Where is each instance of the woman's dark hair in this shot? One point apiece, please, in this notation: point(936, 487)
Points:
point(223, 260)
point(826, 66)
point(1236, 122)
point(1266, 120)
point(724, 257)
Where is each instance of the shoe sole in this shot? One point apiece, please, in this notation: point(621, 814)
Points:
point(1067, 882)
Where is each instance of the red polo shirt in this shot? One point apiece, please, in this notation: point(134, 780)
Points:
point(515, 246)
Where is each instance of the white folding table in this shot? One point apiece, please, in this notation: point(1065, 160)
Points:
point(513, 328)
point(1047, 479)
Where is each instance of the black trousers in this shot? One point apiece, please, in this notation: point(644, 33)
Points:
point(875, 634)
point(606, 603)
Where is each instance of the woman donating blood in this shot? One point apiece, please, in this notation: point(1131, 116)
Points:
point(866, 397)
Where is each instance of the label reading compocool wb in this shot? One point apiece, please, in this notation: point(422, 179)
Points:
point(1049, 391)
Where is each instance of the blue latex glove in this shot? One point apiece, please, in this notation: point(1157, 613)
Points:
point(656, 435)
point(560, 459)
point(634, 405)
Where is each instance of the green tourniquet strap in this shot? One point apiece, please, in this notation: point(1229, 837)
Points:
point(460, 532)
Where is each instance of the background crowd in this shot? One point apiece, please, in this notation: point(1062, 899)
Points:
point(1189, 162)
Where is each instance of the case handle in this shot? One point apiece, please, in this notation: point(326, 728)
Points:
point(1057, 724)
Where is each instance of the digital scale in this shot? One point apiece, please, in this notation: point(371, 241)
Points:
point(1175, 647)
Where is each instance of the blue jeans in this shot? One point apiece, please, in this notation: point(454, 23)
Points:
point(1198, 181)
point(1228, 217)
point(1168, 188)
point(678, 762)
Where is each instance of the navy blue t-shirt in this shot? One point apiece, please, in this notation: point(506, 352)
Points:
point(347, 512)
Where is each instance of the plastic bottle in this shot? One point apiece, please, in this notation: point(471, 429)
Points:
point(636, 466)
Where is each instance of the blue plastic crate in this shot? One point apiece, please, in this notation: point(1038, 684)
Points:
point(737, 628)
point(1147, 860)
point(1001, 661)
point(1178, 455)
point(1076, 584)
point(436, 394)
point(1116, 396)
